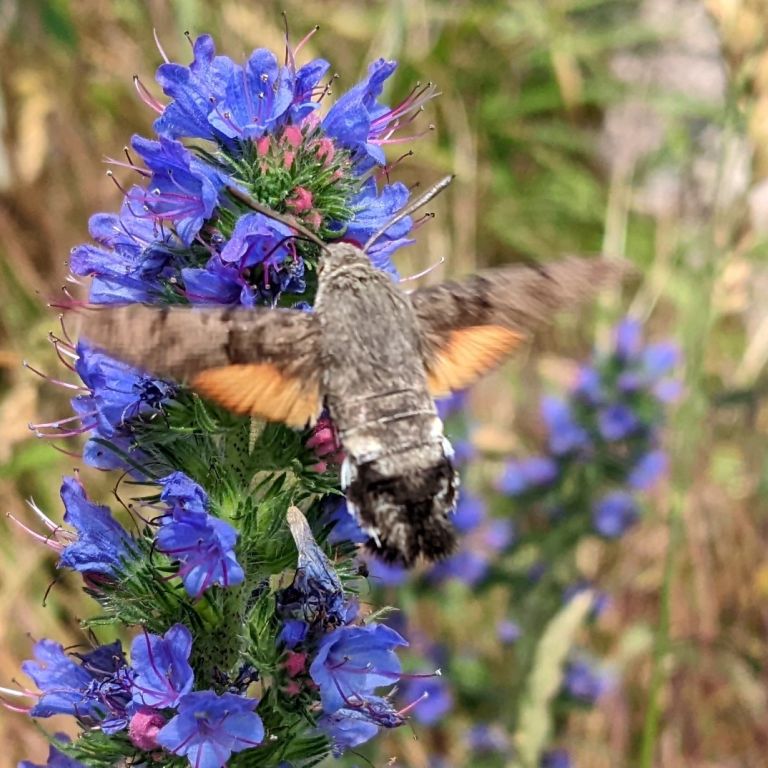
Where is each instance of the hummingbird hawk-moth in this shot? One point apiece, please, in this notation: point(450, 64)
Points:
point(371, 354)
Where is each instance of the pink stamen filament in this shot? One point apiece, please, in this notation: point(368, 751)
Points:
point(112, 176)
point(44, 519)
point(147, 97)
point(73, 454)
point(51, 380)
point(143, 172)
point(160, 47)
point(305, 39)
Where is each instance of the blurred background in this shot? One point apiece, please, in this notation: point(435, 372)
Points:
point(635, 129)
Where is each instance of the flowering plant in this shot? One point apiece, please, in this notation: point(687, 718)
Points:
point(249, 648)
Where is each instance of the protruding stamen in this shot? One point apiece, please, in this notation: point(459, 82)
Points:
point(305, 39)
point(147, 97)
point(111, 175)
point(160, 47)
point(51, 380)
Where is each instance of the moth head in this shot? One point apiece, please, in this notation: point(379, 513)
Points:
point(339, 257)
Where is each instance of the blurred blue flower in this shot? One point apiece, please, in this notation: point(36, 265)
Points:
point(614, 514)
point(647, 470)
point(453, 404)
point(523, 475)
point(470, 512)
point(385, 574)
point(161, 666)
point(556, 758)
point(565, 434)
point(617, 422)
point(508, 631)
point(429, 698)
point(583, 681)
point(485, 738)
point(628, 340)
point(209, 728)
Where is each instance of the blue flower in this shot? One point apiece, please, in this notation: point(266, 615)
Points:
point(293, 633)
point(102, 544)
point(118, 394)
point(96, 691)
point(257, 239)
point(647, 470)
point(565, 435)
point(132, 255)
point(56, 759)
point(305, 82)
point(161, 664)
point(486, 738)
point(482, 539)
point(351, 662)
point(470, 512)
point(349, 121)
point(316, 592)
point(614, 514)
point(508, 631)
point(628, 340)
point(192, 90)
point(204, 545)
point(556, 758)
point(347, 728)
point(429, 698)
point(183, 494)
point(345, 527)
point(253, 99)
point(583, 682)
point(385, 574)
point(453, 404)
point(182, 191)
point(217, 283)
point(64, 685)
point(523, 475)
point(209, 728)
point(617, 422)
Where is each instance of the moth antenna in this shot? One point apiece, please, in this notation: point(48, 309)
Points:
point(419, 202)
point(283, 218)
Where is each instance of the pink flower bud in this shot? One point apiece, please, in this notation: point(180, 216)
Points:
point(144, 727)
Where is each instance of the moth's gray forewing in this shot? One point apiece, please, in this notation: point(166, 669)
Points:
point(469, 326)
point(264, 362)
